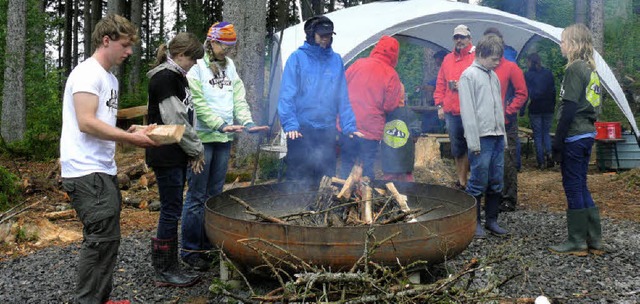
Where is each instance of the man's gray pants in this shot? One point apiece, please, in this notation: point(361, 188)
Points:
point(96, 199)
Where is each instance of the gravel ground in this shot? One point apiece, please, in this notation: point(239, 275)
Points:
point(47, 276)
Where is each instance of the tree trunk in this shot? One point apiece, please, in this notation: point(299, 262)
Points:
point(136, 56)
point(250, 23)
point(596, 24)
point(76, 30)
point(68, 37)
point(580, 11)
point(531, 9)
point(114, 7)
point(306, 9)
point(87, 28)
point(161, 19)
point(14, 123)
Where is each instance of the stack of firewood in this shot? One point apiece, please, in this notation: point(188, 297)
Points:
point(350, 202)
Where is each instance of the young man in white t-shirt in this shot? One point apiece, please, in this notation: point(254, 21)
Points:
point(87, 150)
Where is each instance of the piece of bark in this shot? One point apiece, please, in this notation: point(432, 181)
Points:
point(347, 188)
point(60, 215)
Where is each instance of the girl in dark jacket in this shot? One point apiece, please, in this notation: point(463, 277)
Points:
point(170, 104)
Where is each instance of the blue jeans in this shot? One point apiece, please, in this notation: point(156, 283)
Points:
point(353, 148)
point(541, 125)
point(574, 166)
point(456, 135)
point(202, 186)
point(171, 182)
point(487, 168)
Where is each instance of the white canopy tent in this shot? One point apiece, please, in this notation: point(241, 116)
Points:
point(361, 26)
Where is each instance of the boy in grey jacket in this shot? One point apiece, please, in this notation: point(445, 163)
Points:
point(483, 120)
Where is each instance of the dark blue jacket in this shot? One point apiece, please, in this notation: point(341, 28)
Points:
point(542, 90)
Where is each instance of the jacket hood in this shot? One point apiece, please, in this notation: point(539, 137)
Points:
point(387, 50)
point(160, 67)
point(316, 50)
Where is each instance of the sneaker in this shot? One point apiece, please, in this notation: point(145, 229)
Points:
point(196, 262)
point(118, 302)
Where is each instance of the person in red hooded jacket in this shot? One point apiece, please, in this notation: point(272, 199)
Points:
point(374, 90)
point(448, 102)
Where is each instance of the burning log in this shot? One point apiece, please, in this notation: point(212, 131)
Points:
point(400, 198)
point(367, 196)
point(353, 179)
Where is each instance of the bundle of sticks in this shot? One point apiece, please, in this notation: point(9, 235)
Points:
point(351, 202)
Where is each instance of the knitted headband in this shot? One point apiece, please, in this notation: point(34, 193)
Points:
point(222, 32)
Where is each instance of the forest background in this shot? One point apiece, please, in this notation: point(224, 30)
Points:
point(41, 41)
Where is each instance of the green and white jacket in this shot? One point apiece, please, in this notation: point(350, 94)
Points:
point(218, 100)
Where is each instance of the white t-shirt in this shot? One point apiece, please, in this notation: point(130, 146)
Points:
point(81, 153)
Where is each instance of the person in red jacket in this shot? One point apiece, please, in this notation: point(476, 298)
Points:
point(513, 88)
point(374, 90)
point(447, 100)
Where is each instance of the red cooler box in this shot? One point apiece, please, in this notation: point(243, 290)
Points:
point(608, 130)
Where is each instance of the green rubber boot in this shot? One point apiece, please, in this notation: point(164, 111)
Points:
point(594, 232)
point(577, 226)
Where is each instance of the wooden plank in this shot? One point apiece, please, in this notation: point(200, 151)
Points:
point(132, 112)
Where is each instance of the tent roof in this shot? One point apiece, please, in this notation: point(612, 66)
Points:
point(360, 27)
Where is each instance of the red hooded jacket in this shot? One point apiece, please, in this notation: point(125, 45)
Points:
point(375, 88)
point(452, 67)
point(508, 71)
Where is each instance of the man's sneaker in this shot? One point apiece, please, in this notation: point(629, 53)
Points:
point(196, 262)
point(118, 302)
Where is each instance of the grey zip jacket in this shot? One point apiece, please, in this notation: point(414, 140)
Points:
point(174, 111)
point(480, 105)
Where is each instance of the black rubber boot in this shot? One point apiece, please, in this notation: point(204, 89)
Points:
point(164, 254)
point(491, 213)
point(594, 232)
point(479, 231)
point(577, 230)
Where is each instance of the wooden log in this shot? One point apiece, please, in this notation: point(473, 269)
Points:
point(400, 199)
point(257, 213)
point(367, 196)
point(324, 194)
point(340, 181)
point(60, 215)
point(354, 177)
point(165, 134)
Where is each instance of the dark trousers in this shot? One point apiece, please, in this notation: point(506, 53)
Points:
point(171, 181)
point(541, 125)
point(510, 189)
point(574, 166)
point(311, 156)
point(352, 149)
point(96, 199)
